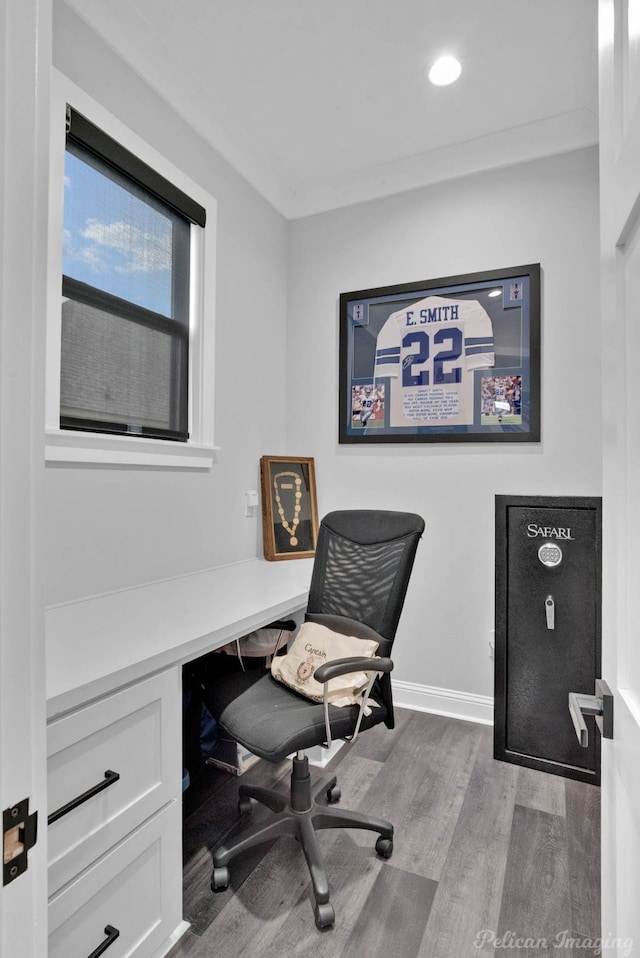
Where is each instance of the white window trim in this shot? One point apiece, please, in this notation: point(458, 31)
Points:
point(66, 445)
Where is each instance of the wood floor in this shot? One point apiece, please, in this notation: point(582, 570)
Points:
point(489, 858)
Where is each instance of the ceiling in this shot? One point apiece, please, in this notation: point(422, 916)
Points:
point(324, 103)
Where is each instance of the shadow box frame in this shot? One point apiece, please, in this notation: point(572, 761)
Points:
point(288, 532)
point(497, 403)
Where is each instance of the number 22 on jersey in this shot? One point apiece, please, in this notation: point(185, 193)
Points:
point(412, 375)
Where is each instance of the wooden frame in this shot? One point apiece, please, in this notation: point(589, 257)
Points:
point(455, 359)
point(289, 507)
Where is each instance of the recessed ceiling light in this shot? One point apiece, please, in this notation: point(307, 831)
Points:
point(444, 71)
point(495, 292)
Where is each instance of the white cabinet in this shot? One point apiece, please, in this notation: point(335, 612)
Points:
point(114, 785)
point(114, 702)
point(136, 889)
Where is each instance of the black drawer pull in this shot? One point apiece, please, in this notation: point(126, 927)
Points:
point(110, 778)
point(112, 933)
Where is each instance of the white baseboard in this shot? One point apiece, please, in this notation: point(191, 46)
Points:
point(460, 705)
point(173, 939)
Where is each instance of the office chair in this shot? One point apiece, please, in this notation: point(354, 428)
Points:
point(360, 575)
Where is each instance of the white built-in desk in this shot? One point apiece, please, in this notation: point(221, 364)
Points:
point(99, 644)
point(114, 704)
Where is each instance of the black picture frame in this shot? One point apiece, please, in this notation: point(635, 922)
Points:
point(463, 366)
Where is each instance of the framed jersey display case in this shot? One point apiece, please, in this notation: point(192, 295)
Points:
point(455, 359)
point(289, 508)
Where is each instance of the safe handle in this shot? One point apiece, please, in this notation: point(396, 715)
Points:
point(600, 705)
point(550, 610)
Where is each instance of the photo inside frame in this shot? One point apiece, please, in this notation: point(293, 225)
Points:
point(289, 507)
point(292, 519)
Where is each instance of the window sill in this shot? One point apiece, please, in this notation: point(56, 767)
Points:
point(67, 446)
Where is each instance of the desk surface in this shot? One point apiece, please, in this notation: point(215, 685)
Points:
point(98, 644)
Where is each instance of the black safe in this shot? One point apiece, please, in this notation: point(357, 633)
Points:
point(547, 630)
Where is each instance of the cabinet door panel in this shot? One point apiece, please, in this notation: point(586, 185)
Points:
point(135, 733)
point(135, 889)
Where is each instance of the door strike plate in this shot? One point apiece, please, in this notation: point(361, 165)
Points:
point(19, 834)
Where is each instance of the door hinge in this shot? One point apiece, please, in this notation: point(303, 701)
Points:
point(19, 834)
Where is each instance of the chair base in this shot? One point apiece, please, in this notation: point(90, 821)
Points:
point(301, 816)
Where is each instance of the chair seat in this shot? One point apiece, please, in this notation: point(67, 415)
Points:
point(279, 721)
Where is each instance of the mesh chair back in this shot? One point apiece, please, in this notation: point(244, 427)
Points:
point(362, 567)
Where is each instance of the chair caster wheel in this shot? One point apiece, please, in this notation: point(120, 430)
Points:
point(244, 806)
point(334, 794)
point(384, 847)
point(325, 915)
point(220, 878)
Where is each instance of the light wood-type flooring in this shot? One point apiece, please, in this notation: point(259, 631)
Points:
point(489, 858)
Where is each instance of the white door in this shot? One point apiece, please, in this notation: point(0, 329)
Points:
point(24, 107)
point(619, 44)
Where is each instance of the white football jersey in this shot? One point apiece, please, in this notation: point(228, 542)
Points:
point(429, 351)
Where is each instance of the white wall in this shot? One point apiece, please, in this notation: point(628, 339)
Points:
point(544, 212)
point(110, 528)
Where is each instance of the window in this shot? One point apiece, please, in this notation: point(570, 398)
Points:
point(131, 346)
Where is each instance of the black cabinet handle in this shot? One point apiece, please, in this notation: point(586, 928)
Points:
point(111, 933)
point(110, 778)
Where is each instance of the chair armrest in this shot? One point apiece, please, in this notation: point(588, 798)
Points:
point(356, 663)
point(331, 670)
